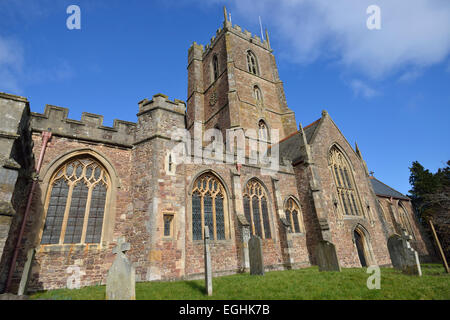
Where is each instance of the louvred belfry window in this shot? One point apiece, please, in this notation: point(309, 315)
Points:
point(252, 63)
point(76, 203)
point(215, 62)
point(294, 216)
point(256, 209)
point(209, 208)
point(345, 185)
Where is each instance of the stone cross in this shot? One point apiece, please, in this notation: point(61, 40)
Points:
point(256, 256)
point(208, 275)
point(120, 282)
point(122, 246)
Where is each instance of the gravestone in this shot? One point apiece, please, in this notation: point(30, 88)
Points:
point(120, 282)
point(395, 248)
point(326, 257)
point(403, 256)
point(208, 274)
point(256, 256)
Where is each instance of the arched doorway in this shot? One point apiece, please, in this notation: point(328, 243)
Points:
point(359, 241)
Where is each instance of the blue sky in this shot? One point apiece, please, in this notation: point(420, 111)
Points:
point(387, 89)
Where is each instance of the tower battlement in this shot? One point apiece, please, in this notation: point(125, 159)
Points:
point(162, 101)
point(235, 29)
point(90, 127)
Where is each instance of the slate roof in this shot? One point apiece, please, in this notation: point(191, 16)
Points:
point(384, 190)
point(290, 146)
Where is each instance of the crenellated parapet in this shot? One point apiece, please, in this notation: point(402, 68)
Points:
point(159, 118)
point(161, 101)
point(90, 128)
point(237, 30)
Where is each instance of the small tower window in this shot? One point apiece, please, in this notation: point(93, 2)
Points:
point(252, 63)
point(257, 94)
point(215, 67)
point(170, 165)
point(263, 131)
point(168, 225)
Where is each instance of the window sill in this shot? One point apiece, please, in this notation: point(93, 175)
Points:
point(354, 217)
point(211, 241)
point(69, 247)
point(297, 234)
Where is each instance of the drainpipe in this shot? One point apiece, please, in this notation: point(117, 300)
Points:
point(46, 136)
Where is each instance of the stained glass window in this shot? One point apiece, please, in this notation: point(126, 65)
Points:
point(265, 216)
point(55, 212)
point(220, 219)
point(344, 181)
point(196, 217)
point(256, 210)
point(208, 211)
point(209, 208)
point(75, 221)
point(78, 180)
point(96, 214)
point(293, 215)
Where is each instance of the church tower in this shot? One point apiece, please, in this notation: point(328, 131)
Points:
point(233, 83)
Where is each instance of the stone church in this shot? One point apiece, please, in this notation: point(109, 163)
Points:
point(69, 189)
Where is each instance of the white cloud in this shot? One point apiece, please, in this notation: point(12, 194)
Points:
point(15, 74)
point(361, 89)
point(414, 33)
point(11, 64)
point(410, 75)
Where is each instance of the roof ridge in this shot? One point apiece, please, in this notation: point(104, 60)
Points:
point(298, 131)
point(388, 186)
point(309, 125)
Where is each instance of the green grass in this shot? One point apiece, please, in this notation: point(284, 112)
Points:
point(308, 283)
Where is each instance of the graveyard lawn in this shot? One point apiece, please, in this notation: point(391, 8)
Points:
point(308, 283)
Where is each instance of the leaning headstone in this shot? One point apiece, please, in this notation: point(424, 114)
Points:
point(256, 256)
point(120, 282)
point(326, 257)
point(412, 264)
point(208, 270)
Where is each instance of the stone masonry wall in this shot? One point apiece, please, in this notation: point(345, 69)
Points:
point(342, 227)
point(49, 270)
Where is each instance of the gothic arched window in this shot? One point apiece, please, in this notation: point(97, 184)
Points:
point(256, 209)
point(294, 216)
point(252, 63)
point(263, 132)
point(215, 64)
point(75, 207)
point(404, 220)
point(345, 185)
point(258, 95)
point(209, 208)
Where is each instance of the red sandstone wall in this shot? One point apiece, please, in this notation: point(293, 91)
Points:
point(51, 262)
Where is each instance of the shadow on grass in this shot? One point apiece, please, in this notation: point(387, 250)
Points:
point(196, 286)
